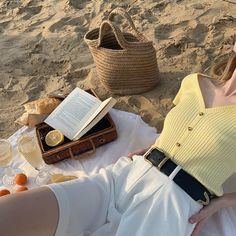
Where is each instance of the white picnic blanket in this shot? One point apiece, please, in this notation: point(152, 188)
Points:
point(133, 134)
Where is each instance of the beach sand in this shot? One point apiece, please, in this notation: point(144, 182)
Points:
point(42, 49)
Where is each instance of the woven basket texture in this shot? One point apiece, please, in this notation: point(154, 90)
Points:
point(125, 61)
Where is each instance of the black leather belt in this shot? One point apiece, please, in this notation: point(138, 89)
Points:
point(187, 182)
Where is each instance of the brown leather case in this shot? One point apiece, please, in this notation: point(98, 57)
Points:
point(103, 132)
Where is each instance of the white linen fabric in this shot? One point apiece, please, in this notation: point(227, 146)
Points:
point(127, 198)
point(133, 134)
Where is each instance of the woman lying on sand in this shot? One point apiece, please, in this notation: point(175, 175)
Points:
point(170, 190)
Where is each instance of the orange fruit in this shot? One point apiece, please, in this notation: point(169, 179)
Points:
point(21, 179)
point(4, 192)
point(21, 189)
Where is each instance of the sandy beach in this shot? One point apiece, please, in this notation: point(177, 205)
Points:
point(42, 49)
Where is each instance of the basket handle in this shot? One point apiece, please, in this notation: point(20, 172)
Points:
point(121, 12)
point(84, 155)
point(105, 27)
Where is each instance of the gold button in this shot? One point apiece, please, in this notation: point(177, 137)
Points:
point(201, 114)
point(178, 144)
point(190, 128)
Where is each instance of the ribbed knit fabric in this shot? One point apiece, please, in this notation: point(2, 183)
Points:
point(201, 140)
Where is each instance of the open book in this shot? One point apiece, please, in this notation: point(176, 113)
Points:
point(78, 113)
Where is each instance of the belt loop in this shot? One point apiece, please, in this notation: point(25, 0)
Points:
point(175, 172)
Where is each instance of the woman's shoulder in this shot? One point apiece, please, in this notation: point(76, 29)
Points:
point(193, 79)
point(189, 81)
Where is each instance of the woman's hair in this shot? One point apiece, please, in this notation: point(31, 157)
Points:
point(224, 70)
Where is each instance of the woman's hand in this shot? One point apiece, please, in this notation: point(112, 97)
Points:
point(227, 200)
point(202, 216)
point(137, 152)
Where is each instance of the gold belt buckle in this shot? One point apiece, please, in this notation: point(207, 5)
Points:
point(207, 201)
point(160, 164)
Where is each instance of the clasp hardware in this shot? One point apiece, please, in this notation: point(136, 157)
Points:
point(163, 161)
point(207, 201)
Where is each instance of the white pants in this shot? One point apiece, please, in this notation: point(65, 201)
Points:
point(128, 198)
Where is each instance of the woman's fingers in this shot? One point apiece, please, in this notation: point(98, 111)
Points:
point(130, 154)
point(206, 212)
point(199, 216)
point(199, 227)
point(138, 152)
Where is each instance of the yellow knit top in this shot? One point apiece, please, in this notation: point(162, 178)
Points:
point(201, 140)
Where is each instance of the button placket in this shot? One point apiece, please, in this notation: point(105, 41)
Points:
point(189, 128)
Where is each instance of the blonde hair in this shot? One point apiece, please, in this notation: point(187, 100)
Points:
point(224, 70)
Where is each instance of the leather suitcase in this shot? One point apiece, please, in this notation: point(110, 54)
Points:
point(103, 132)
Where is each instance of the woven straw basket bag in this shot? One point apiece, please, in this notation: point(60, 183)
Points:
point(125, 61)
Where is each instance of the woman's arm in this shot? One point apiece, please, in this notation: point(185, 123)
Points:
point(227, 200)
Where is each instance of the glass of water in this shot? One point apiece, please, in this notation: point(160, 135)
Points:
point(6, 156)
point(29, 149)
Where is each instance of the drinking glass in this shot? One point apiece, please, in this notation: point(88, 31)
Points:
point(29, 149)
point(6, 156)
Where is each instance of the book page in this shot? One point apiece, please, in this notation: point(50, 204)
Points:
point(101, 111)
point(73, 112)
